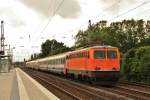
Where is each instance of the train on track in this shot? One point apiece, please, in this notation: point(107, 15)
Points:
point(99, 64)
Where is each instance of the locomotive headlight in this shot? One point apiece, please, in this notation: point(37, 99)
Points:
point(114, 69)
point(97, 68)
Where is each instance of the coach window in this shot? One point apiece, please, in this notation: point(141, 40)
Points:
point(54, 61)
point(62, 61)
point(51, 62)
point(68, 57)
point(84, 54)
point(71, 56)
point(79, 55)
point(87, 55)
point(74, 55)
point(99, 54)
point(59, 61)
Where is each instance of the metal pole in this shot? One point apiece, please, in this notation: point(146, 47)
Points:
point(2, 38)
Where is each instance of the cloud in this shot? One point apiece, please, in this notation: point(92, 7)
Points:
point(14, 20)
point(68, 9)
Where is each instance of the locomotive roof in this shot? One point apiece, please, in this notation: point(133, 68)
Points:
point(104, 46)
point(94, 47)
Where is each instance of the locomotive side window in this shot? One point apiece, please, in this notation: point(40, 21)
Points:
point(111, 54)
point(99, 54)
point(87, 55)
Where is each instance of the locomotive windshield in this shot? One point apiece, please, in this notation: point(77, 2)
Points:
point(111, 54)
point(99, 54)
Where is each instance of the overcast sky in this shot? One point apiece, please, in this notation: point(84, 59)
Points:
point(28, 23)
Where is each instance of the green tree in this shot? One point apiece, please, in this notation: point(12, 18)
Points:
point(124, 34)
point(92, 35)
point(32, 57)
point(52, 47)
point(136, 65)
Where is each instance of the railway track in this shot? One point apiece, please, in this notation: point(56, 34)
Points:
point(93, 95)
point(73, 92)
point(49, 84)
point(88, 92)
point(135, 84)
point(130, 93)
point(135, 90)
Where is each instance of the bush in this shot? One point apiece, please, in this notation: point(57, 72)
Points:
point(136, 65)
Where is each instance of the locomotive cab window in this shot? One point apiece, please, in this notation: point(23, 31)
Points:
point(111, 54)
point(99, 54)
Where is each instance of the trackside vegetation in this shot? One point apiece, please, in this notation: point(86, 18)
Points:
point(136, 65)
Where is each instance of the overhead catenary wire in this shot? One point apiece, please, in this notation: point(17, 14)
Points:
point(130, 10)
point(50, 18)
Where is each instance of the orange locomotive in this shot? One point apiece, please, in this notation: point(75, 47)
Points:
point(98, 64)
